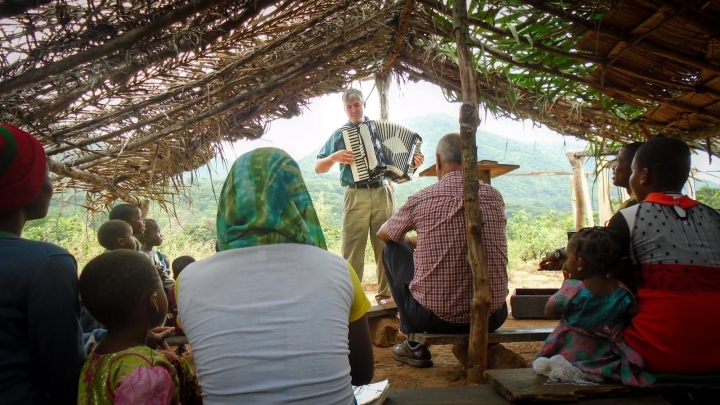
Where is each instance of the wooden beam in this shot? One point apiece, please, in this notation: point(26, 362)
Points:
point(645, 28)
point(403, 24)
point(63, 170)
point(121, 42)
point(469, 121)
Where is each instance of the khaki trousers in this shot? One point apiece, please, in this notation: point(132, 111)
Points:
point(366, 210)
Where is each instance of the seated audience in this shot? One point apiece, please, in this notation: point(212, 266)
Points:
point(621, 178)
point(675, 241)
point(593, 310)
point(131, 214)
point(430, 278)
point(41, 349)
point(151, 238)
point(274, 317)
point(122, 290)
point(178, 265)
point(116, 234)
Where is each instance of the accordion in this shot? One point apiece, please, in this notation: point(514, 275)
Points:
point(382, 148)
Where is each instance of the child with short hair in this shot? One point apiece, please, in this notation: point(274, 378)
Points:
point(178, 265)
point(123, 290)
point(131, 214)
point(116, 234)
point(593, 309)
point(151, 238)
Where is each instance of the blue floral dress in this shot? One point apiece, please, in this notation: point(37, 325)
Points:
point(590, 334)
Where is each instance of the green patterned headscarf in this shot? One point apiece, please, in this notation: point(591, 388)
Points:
point(264, 201)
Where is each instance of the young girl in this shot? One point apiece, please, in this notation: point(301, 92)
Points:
point(593, 309)
point(122, 290)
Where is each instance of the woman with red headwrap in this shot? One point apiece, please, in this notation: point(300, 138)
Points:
point(41, 350)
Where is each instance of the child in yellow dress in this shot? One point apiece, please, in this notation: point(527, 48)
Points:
point(123, 291)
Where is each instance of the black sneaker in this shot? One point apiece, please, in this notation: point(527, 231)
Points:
point(417, 355)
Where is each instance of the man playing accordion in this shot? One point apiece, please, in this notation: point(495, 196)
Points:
point(367, 204)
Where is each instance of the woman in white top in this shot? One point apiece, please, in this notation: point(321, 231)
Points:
point(273, 317)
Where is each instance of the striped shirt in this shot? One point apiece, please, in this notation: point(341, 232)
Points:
point(443, 279)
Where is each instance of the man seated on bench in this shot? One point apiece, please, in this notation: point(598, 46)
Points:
point(429, 276)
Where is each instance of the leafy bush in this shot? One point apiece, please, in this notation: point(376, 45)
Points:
point(530, 238)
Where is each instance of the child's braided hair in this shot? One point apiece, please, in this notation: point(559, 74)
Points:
point(598, 247)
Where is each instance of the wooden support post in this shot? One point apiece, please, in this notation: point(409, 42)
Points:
point(604, 204)
point(382, 82)
point(469, 121)
point(577, 188)
point(485, 176)
point(586, 197)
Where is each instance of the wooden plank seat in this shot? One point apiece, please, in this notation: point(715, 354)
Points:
point(523, 385)
point(378, 310)
point(502, 335)
point(486, 395)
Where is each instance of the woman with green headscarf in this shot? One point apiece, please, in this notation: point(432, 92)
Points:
point(273, 317)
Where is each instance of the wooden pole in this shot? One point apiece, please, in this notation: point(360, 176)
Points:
point(577, 188)
point(382, 82)
point(604, 204)
point(469, 121)
point(586, 196)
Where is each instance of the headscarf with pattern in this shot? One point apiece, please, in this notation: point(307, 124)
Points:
point(264, 201)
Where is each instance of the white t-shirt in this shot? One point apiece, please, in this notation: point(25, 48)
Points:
point(269, 325)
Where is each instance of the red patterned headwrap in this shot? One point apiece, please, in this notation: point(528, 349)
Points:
point(23, 165)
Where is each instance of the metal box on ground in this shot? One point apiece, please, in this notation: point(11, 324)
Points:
point(529, 303)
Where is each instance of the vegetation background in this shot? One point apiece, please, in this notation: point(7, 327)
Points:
point(538, 208)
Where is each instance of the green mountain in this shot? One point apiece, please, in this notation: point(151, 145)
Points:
point(534, 194)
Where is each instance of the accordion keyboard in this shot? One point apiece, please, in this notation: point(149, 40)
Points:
point(358, 140)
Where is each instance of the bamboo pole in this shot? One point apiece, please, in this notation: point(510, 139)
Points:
point(469, 121)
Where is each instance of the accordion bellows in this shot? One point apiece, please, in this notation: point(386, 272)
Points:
point(382, 148)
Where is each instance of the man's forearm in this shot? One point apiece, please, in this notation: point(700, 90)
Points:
point(323, 165)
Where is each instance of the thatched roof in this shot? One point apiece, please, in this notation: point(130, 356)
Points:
point(127, 96)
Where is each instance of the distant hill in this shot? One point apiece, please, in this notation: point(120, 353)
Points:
point(534, 194)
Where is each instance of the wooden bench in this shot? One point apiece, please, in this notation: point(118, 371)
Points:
point(486, 395)
point(378, 310)
point(502, 335)
point(523, 385)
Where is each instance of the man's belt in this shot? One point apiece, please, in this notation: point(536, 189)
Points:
point(374, 184)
